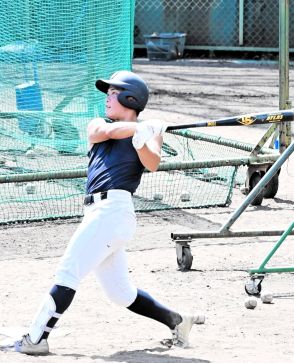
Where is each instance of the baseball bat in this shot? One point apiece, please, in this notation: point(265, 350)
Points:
point(245, 120)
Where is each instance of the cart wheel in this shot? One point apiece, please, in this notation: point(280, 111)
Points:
point(272, 187)
point(253, 182)
point(253, 287)
point(186, 261)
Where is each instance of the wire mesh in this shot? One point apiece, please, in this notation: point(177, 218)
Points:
point(214, 23)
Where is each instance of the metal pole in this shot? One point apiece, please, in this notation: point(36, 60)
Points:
point(132, 6)
point(241, 22)
point(284, 102)
point(277, 245)
point(91, 58)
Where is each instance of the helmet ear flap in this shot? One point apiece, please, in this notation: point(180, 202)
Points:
point(127, 99)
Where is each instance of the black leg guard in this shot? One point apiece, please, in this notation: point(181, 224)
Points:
point(145, 305)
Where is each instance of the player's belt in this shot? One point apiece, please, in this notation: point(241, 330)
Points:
point(90, 198)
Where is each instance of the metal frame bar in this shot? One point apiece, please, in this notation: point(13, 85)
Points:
point(225, 48)
point(228, 142)
point(78, 173)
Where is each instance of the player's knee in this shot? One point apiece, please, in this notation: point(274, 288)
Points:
point(123, 295)
point(66, 277)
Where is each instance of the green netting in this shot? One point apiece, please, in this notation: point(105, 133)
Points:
point(51, 53)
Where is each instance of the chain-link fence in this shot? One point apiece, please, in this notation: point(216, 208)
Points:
point(214, 24)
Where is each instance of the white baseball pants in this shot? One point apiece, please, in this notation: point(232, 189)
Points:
point(98, 245)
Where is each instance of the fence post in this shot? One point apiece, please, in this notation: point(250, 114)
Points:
point(284, 102)
point(241, 22)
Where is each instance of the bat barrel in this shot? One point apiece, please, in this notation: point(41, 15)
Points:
point(245, 120)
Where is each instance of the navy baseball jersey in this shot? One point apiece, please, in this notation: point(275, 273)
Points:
point(113, 164)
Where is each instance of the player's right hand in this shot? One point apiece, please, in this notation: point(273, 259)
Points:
point(142, 134)
point(158, 127)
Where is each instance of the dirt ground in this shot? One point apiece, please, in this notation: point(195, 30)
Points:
point(95, 330)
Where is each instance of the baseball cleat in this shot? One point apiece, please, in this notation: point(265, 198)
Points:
point(180, 334)
point(26, 346)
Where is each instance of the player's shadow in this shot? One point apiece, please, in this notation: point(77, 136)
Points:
point(147, 355)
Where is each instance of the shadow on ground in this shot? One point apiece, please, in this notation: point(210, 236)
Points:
point(155, 355)
point(141, 356)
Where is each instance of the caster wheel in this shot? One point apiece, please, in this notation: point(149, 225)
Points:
point(272, 187)
point(253, 182)
point(253, 287)
point(185, 262)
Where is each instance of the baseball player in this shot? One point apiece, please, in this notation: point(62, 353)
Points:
point(118, 153)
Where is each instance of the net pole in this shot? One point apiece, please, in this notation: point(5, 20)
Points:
point(91, 31)
point(284, 102)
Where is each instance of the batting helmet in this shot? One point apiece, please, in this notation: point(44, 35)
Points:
point(134, 92)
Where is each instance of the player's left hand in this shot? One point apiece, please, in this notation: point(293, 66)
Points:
point(146, 130)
